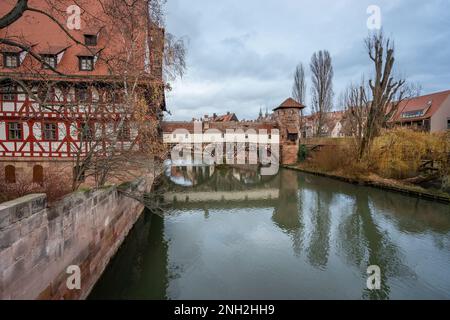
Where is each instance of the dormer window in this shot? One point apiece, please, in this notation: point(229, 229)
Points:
point(414, 114)
point(86, 63)
point(11, 60)
point(49, 61)
point(90, 40)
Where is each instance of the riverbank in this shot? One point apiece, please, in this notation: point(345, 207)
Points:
point(378, 182)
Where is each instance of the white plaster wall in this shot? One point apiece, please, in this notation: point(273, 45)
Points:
point(37, 130)
point(2, 130)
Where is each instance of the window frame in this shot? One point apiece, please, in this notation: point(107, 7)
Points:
point(12, 94)
point(53, 57)
point(124, 134)
point(91, 40)
point(44, 131)
point(19, 129)
point(86, 136)
point(7, 55)
point(88, 95)
point(85, 58)
point(292, 137)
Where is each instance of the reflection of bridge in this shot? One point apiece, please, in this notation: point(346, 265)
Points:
point(221, 187)
point(228, 196)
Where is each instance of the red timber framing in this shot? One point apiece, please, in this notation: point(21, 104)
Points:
point(68, 143)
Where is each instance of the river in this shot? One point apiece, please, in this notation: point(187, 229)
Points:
point(230, 233)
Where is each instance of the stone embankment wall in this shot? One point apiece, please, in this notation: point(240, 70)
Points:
point(38, 243)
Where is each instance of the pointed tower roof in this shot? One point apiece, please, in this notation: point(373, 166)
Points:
point(290, 104)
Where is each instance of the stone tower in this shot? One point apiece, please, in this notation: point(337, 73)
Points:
point(288, 118)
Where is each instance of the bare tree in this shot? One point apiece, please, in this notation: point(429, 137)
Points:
point(386, 92)
point(356, 104)
point(108, 149)
point(322, 87)
point(299, 87)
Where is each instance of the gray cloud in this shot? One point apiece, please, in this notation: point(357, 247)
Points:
point(242, 54)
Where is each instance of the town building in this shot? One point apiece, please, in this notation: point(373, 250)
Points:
point(228, 117)
point(282, 128)
point(429, 113)
point(62, 89)
point(334, 126)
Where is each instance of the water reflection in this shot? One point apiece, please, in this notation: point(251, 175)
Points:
point(231, 233)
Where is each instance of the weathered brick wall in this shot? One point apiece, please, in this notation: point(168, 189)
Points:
point(289, 154)
point(38, 243)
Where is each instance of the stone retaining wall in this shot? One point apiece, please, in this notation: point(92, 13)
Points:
point(38, 243)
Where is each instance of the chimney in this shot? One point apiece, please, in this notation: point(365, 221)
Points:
point(214, 115)
point(228, 113)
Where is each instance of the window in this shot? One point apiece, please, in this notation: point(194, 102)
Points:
point(11, 60)
point(86, 63)
point(49, 60)
point(14, 131)
point(82, 94)
point(8, 93)
point(10, 174)
point(292, 137)
point(90, 40)
point(115, 97)
point(50, 131)
point(124, 133)
point(413, 114)
point(448, 124)
point(38, 174)
point(86, 132)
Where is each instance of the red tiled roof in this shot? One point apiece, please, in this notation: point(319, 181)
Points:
point(289, 104)
point(52, 49)
point(429, 104)
point(226, 118)
point(38, 29)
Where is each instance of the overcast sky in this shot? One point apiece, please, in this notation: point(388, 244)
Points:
point(242, 53)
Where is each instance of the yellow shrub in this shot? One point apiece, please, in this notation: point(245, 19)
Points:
point(399, 153)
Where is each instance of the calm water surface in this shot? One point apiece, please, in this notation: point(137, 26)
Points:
point(232, 234)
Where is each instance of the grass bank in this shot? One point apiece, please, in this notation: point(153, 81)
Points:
point(372, 180)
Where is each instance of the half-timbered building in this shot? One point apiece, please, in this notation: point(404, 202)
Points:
point(68, 88)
